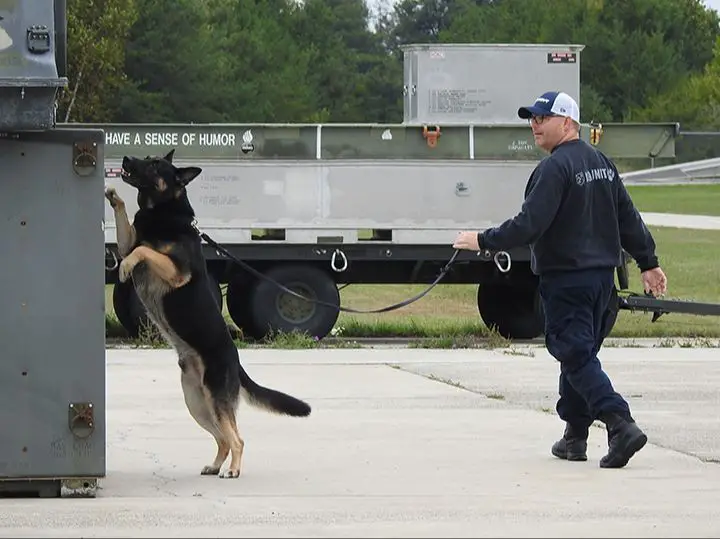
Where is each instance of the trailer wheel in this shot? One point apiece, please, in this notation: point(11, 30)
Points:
point(237, 299)
point(131, 312)
point(611, 314)
point(273, 310)
point(215, 290)
point(514, 311)
point(128, 308)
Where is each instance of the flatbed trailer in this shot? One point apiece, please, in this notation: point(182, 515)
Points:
point(315, 207)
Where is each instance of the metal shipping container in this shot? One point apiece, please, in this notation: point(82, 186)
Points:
point(32, 62)
point(483, 83)
point(52, 320)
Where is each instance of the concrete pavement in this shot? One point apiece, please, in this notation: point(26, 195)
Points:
point(703, 222)
point(401, 442)
point(703, 171)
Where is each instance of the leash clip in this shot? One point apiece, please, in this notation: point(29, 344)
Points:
point(116, 262)
point(497, 259)
point(333, 263)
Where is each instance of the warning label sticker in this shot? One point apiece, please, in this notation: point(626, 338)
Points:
point(561, 58)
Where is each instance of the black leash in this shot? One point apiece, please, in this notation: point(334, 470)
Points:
point(220, 249)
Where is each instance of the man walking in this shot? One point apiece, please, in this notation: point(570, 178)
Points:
point(577, 217)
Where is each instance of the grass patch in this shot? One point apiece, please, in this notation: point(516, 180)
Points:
point(458, 324)
point(689, 260)
point(446, 381)
point(294, 340)
point(686, 199)
point(701, 342)
point(489, 340)
point(517, 351)
point(150, 337)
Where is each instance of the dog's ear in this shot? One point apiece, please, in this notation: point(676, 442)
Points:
point(187, 174)
point(169, 156)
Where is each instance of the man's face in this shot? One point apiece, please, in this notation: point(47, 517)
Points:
point(549, 130)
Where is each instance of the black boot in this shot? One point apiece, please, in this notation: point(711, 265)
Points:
point(624, 440)
point(573, 444)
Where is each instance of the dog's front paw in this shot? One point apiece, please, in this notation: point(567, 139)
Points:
point(114, 199)
point(126, 268)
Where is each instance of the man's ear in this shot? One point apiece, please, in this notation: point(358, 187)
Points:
point(170, 155)
point(187, 174)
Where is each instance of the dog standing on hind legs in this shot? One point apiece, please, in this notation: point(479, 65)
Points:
point(161, 251)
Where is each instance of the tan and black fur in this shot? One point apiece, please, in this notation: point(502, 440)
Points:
point(161, 252)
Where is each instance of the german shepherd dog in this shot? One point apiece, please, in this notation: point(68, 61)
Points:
point(161, 251)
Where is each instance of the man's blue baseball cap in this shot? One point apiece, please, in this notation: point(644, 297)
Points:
point(552, 104)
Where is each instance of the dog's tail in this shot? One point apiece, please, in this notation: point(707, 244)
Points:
point(271, 399)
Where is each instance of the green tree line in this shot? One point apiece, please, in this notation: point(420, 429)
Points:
point(334, 61)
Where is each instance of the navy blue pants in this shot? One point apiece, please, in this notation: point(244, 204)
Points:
point(576, 306)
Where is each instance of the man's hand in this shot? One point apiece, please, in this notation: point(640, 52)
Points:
point(467, 240)
point(654, 281)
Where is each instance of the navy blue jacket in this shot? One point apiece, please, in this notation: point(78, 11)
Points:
point(577, 214)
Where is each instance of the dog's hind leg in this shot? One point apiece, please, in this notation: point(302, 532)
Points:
point(198, 403)
point(228, 427)
point(222, 454)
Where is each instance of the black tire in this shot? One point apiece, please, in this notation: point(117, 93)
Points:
point(237, 299)
point(514, 311)
point(131, 312)
point(622, 272)
point(611, 314)
point(216, 291)
point(128, 308)
point(273, 310)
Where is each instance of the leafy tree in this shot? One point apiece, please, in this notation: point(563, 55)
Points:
point(633, 48)
point(262, 72)
point(170, 64)
point(694, 102)
point(329, 60)
point(354, 78)
point(96, 55)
